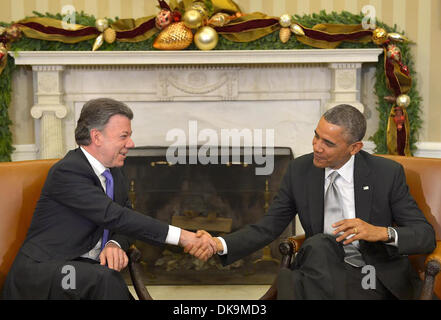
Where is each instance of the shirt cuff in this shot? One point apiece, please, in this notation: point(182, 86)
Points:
point(173, 235)
point(113, 241)
point(224, 245)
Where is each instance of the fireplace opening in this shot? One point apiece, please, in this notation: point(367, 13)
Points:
point(219, 198)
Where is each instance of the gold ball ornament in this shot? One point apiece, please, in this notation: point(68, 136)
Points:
point(206, 38)
point(175, 37)
point(201, 7)
point(192, 19)
point(101, 24)
point(379, 36)
point(403, 101)
point(109, 35)
point(2, 30)
point(284, 34)
point(285, 20)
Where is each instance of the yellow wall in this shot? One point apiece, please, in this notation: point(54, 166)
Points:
point(420, 19)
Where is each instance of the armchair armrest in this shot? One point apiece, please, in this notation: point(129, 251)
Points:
point(136, 273)
point(433, 267)
point(288, 248)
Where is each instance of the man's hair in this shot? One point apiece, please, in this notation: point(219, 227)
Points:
point(95, 115)
point(350, 119)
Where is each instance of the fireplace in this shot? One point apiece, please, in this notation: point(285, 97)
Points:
point(219, 198)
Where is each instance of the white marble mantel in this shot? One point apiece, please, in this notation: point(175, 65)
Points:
point(286, 90)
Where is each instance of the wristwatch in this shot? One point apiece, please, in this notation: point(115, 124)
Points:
point(390, 235)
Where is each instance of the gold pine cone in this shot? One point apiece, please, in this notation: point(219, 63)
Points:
point(109, 35)
point(175, 37)
point(285, 34)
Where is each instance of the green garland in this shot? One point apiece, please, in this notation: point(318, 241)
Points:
point(269, 42)
point(6, 148)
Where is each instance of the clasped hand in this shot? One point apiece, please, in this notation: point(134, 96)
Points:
point(201, 244)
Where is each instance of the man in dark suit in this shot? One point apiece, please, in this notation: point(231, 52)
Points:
point(75, 246)
point(379, 223)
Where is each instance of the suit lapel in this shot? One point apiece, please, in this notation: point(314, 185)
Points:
point(363, 188)
point(316, 180)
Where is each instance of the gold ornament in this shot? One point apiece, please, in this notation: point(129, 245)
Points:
point(3, 51)
point(379, 36)
point(284, 34)
point(109, 35)
point(297, 30)
point(219, 19)
point(206, 38)
point(13, 32)
point(397, 37)
point(393, 52)
point(192, 19)
point(403, 101)
point(285, 20)
point(101, 24)
point(175, 37)
point(2, 30)
point(98, 42)
point(200, 6)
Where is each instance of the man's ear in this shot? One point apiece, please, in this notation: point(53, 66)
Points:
point(356, 147)
point(95, 137)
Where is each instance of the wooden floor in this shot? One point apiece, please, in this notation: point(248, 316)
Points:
point(200, 292)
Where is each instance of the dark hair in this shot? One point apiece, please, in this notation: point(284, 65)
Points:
point(350, 118)
point(95, 115)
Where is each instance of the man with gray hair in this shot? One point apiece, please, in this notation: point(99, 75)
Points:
point(83, 219)
point(356, 211)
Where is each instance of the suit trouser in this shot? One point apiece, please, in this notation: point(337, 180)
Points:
point(319, 272)
point(76, 279)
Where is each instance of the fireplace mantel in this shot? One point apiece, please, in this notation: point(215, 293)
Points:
point(282, 89)
point(216, 57)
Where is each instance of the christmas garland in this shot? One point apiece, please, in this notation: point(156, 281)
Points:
point(398, 100)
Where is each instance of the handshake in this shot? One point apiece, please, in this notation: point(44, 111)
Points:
point(200, 244)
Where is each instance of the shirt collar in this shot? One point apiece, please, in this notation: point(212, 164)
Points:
point(346, 171)
point(97, 166)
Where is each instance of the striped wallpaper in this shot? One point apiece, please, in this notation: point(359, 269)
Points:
point(420, 19)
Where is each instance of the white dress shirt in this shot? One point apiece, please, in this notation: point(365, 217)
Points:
point(345, 184)
point(173, 235)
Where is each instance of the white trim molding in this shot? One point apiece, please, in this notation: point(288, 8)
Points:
point(183, 57)
point(424, 149)
point(24, 152)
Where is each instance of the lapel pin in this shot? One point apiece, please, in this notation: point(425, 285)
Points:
point(366, 188)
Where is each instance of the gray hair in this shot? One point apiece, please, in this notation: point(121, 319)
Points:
point(350, 119)
point(95, 115)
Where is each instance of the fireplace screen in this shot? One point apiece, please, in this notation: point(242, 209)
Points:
point(219, 198)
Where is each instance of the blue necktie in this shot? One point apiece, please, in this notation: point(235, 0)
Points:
point(109, 192)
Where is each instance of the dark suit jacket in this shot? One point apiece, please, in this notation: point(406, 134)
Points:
point(72, 212)
point(385, 202)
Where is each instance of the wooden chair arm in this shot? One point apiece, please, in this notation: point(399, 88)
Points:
point(433, 267)
point(135, 269)
point(287, 248)
point(297, 242)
